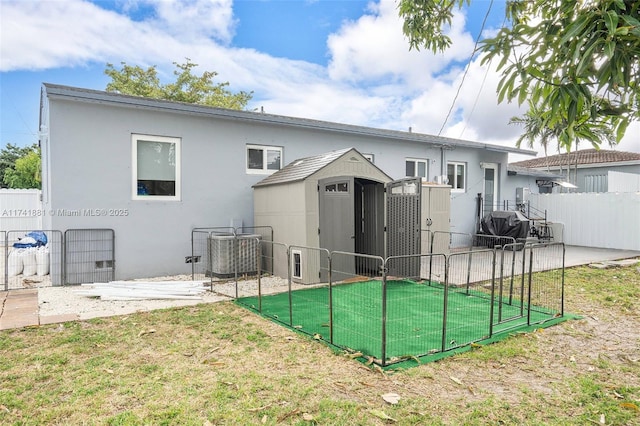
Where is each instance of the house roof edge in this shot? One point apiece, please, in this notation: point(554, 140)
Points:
point(57, 90)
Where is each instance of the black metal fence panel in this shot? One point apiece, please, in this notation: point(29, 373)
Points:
point(89, 256)
point(32, 259)
point(413, 321)
point(3, 259)
point(447, 242)
point(468, 297)
point(357, 302)
point(546, 285)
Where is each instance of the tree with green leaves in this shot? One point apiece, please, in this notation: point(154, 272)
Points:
point(8, 157)
point(26, 171)
point(187, 87)
point(538, 129)
point(574, 63)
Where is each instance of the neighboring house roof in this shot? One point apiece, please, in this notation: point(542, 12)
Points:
point(302, 168)
point(66, 92)
point(584, 157)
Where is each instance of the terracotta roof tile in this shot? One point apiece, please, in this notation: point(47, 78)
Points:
point(585, 156)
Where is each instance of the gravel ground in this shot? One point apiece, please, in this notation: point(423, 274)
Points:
point(65, 300)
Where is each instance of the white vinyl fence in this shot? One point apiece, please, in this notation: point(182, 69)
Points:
point(623, 182)
point(606, 220)
point(20, 209)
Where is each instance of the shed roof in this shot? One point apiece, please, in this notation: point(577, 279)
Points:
point(302, 168)
point(584, 157)
point(55, 91)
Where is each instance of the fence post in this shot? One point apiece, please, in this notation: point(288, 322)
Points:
point(445, 302)
point(529, 285)
point(562, 283)
point(289, 278)
point(493, 292)
point(5, 273)
point(383, 353)
point(433, 237)
point(330, 299)
point(258, 255)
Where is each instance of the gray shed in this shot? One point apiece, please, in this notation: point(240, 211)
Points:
point(333, 201)
point(337, 201)
point(316, 202)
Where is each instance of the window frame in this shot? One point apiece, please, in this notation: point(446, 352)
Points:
point(139, 137)
point(295, 253)
point(453, 184)
point(415, 167)
point(265, 164)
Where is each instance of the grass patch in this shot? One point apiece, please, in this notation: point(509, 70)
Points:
point(617, 288)
point(221, 364)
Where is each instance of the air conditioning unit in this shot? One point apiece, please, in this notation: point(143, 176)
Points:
point(522, 195)
point(224, 251)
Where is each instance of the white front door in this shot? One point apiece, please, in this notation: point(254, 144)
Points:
point(490, 191)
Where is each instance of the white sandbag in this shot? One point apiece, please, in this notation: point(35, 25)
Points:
point(15, 262)
point(42, 261)
point(30, 267)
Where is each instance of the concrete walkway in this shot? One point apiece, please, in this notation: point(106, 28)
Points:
point(19, 308)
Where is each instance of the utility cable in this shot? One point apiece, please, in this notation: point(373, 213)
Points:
point(475, 102)
point(475, 47)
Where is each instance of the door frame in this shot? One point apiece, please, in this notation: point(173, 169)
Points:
point(496, 187)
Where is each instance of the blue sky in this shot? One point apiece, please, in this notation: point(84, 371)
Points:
point(344, 61)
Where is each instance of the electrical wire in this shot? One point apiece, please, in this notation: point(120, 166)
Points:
point(475, 47)
point(475, 102)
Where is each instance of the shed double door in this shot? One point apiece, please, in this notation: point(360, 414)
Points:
point(345, 215)
point(351, 219)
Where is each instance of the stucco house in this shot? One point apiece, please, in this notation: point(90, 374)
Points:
point(152, 170)
point(597, 171)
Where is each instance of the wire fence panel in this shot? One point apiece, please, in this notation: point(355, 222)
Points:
point(512, 270)
point(3, 261)
point(413, 322)
point(546, 284)
point(468, 298)
point(471, 270)
point(266, 254)
point(357, 303)
point(274, 261)
point(207, 243)
point(32, 259)
point(491, 241)
point(302, 301)
point(89, 255)
point(446, 242)
point(265, 232)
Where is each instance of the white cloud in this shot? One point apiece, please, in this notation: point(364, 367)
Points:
point(374, 48)
point(212, 18)
point(372, 78)
point(52, 34)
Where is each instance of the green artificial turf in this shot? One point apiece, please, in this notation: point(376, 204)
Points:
point(414, 324)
